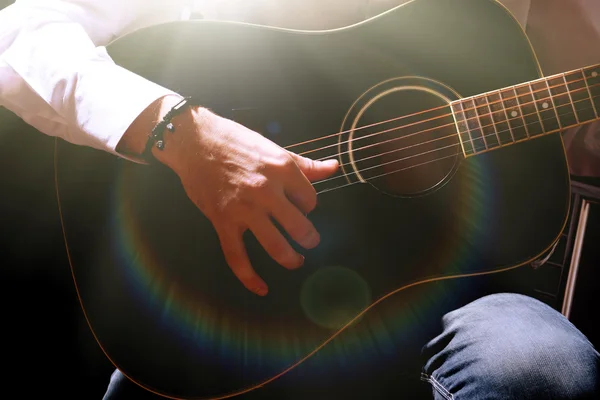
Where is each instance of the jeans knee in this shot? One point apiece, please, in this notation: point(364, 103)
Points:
point(509, 344)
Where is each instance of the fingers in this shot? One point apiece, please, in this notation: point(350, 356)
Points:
point(288, 204)
point(302, 195)
point(237, 259)
point(295, 223)
point(299, 189)
point(275, 244)
point(315, 170)
point(270, 239)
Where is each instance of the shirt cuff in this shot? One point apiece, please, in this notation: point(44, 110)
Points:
point(97, 99)
point(110, 114)
point(108, 99)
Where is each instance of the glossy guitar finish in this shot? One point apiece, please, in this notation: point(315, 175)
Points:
point(151, 277)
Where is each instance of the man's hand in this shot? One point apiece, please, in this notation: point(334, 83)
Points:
point(241, 181)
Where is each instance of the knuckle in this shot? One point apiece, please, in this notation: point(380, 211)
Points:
point(274, 247)
point(232, 255)
point(311, 200)
point(222, 207)
point(230, 212)
point(259, 184)
point(308, 166)
point(234, 259)
point(284, 161)
point(221, 216)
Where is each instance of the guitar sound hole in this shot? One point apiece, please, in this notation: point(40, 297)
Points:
point(404, 141)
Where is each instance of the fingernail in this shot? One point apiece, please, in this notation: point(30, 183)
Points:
point(261, 290)
point(313, 239)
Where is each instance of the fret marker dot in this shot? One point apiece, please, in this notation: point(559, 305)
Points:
point(594, 74)
point(544, 105)
point(514, 114)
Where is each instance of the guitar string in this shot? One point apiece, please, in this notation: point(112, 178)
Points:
point(490, 115)
point(459, 153)
point(533, 102)
point(431, 161)
point(453, 135)
point(531, 91)
point(437, 159)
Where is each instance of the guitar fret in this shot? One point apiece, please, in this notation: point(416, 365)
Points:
point(570, 98)
point(463, 130)
point(500, 118)
point(488, 127)
point(516, 95)
point(513, 115)
point(524, 111)
point(512, 135)
point(531, 116)
point(535, 105)
point(477, 137)
point(592, 79)
point(562, 102)
point(553, 103)
point(589, 92)
point(545, 107)
point(580, 96)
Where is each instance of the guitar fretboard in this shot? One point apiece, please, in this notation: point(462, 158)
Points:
point(528, 110)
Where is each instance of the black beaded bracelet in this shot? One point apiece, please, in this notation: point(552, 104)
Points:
point(156, 137)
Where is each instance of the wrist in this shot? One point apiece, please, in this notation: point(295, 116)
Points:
point(157, 136)
point(177, 146)
point(135, 138)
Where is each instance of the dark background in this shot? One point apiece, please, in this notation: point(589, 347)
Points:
point(47, 348)
point(47, 345)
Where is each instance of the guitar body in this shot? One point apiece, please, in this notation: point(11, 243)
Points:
point(150, 274)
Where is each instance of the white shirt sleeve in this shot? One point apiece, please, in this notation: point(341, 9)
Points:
point(55, 72)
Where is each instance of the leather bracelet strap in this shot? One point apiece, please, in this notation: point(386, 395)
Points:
point(155, 138)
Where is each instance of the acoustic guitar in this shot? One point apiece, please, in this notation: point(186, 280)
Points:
point(452, 166)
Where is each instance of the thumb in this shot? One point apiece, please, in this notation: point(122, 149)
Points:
point(315, 170)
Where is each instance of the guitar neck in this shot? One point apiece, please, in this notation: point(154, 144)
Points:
point(528, 110)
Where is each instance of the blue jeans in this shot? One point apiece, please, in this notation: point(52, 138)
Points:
point(501, 346)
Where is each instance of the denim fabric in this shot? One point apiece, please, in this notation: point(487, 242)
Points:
point(509, 346)
point(502, 346)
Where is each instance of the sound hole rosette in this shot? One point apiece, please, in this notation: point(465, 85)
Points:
point(400, 137)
